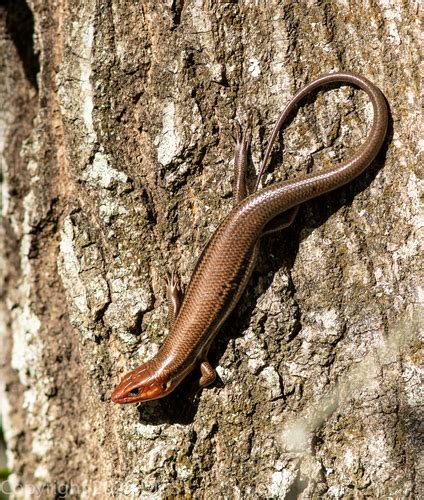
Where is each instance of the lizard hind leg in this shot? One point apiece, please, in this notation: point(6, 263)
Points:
point(280, 222)
point(243, 139)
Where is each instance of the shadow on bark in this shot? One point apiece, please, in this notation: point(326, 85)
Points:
point(20, 27)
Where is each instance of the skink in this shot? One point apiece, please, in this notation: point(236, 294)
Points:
point(226, 263)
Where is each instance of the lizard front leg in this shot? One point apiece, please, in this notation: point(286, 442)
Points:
point(175, 297)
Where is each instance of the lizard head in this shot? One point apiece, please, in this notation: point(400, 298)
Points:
point(142, 384)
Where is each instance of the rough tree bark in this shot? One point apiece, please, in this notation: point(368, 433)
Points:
point(117, 143)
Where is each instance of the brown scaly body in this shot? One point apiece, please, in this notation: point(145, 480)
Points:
point(223, 269)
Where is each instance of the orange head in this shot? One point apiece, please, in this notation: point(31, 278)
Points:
point(142, 384)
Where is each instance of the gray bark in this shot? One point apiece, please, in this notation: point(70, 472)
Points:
point(117, 143)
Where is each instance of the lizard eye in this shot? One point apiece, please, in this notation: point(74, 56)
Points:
point(135, 391)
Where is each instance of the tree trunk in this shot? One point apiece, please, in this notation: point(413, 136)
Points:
point(117, 144)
